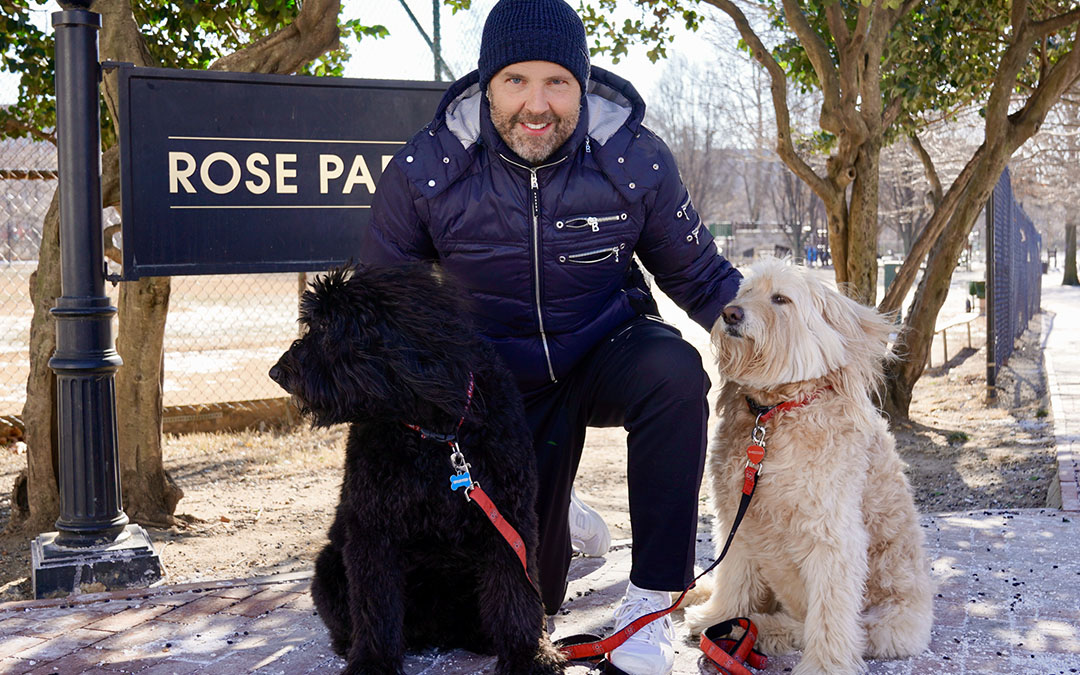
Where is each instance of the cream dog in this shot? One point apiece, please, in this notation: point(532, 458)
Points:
point(829, 558)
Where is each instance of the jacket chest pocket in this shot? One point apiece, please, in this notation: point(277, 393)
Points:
point(590, 223)
point(613, 254)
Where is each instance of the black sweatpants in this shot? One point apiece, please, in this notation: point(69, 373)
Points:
point(646, 378)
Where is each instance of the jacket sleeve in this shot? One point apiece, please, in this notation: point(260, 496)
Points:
point(397, 232)
point(678, 249)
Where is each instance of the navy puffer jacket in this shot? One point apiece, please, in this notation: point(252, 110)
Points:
point(547, 252)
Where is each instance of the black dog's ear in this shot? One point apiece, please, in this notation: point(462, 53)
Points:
point(335, 312)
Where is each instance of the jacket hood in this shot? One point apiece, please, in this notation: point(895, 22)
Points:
point(610, 103)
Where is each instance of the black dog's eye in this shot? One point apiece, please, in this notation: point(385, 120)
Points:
point(778, 299)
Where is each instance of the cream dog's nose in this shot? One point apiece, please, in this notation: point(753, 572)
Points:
point(733, 315)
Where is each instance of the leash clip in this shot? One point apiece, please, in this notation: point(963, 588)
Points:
point(755, 454)
point(461, 478)
point(758, 434)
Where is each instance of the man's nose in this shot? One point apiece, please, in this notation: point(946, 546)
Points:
point(536, 101)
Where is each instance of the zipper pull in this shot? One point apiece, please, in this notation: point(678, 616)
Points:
point(615, 250)
point(588, 148)
point(532, 177)
point(594, 223)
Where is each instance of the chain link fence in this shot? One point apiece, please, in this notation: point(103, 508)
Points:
point(27, 183)
point(223, 332)
point(1014, 274)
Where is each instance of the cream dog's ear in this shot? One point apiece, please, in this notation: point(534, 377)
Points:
point(864, 330)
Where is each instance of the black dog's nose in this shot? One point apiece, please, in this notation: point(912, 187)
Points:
point(276, 374)
point(733, 315)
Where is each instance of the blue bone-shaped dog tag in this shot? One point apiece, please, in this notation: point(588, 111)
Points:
point(461, 480)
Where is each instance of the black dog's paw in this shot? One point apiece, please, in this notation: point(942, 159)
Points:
point(545, 661)
point(340, 647)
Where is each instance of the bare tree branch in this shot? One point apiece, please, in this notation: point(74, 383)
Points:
point(1055, 23)
point(13, 128)
point(818, 53)
point(892, 112)
point(905, 276)
point(1012, 62)
point(1027, 120)
point(928, 166)
point(784, 146)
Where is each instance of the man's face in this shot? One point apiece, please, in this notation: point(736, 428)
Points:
point(535, 107)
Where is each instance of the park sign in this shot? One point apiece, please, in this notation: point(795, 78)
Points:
point(236, 173)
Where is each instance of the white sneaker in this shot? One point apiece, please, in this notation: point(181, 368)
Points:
point(589, 533)
point(649, 651)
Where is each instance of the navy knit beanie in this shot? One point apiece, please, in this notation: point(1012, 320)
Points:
point(533, 30)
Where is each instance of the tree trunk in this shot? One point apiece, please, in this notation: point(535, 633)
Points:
point(150, 495)
point(1070, 257)
point(41, 479)
point(862, 227)
point(920, 323)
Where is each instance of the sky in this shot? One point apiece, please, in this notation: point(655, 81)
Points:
point(405, 55)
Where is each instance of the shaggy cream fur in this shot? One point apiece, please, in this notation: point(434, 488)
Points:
point(829, 558)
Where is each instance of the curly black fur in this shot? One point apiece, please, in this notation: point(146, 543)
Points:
point(410, 563)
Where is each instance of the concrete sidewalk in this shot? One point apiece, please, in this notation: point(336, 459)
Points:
point(1008, 596)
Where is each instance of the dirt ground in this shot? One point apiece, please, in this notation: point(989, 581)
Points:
point(259, 503)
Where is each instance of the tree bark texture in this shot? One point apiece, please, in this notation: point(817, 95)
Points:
point(1070, 257)
point(861, 254)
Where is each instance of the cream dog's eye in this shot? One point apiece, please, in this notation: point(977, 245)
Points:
point(778, 299)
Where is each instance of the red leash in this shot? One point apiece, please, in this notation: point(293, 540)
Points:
point(730, 656)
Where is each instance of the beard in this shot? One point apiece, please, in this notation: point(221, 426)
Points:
point(534, 149)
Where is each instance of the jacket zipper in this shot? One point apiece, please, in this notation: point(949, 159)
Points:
point(684, 212)
point(534, 186)
point(592, 222)
point(693, 236)
point(608, 250)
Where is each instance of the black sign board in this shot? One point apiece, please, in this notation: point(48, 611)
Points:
point(230, 173)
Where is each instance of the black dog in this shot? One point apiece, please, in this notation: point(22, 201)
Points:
point(411, 562)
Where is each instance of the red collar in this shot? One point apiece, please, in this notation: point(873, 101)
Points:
point(452, 436)
point(764, 412)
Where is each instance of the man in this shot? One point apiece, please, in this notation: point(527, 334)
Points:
point(534, 187)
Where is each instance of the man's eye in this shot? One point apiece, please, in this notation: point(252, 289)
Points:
point(778, 299)
point(514, 80)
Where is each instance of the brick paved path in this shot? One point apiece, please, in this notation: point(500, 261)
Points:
point(1008, 602)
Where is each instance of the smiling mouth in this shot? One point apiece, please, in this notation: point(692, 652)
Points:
point(536, 128)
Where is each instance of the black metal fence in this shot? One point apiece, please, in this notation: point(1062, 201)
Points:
point(1013, 275)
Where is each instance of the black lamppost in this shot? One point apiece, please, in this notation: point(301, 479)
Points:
point(94, 546)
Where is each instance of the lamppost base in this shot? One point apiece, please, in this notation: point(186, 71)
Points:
point(128, 562)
